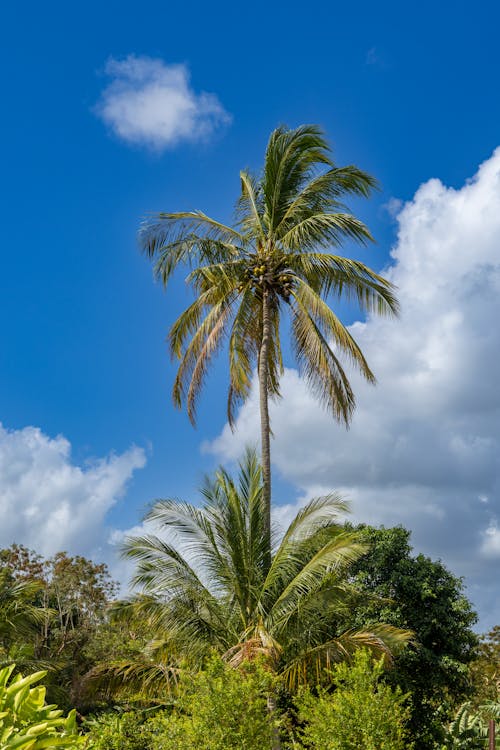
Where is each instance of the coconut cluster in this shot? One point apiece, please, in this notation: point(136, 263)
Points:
point(273, 276)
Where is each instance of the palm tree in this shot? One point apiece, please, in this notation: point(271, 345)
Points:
point(21, 619)
point(210, 585)
point(273, 260)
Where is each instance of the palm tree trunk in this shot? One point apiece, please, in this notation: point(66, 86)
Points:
point(275, 732)
point(265, 426)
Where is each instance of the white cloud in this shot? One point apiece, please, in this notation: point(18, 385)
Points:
point(490, 546)
point(151, 103)
point(123, 569)
point(424, 446)
point(49, 503)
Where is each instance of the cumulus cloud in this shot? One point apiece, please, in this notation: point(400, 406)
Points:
point(49, 503)
point(491, 541)
point(123, 568)
point(424, 446)
point(150, 103)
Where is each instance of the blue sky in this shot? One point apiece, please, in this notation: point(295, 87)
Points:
point(407, 92)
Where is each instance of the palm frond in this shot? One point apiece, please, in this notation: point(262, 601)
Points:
point(164, 228)
point(191, 237)
point(332, 274)
point(333, 557)
point(332, 328)
point(249, 208)
point(198, 354)
point(323, 194)
point(243, 351)
point(319, 365)
point(292, 156)
point(321, 229)
point(319, 513)
point(139, 679)
point(315, 663)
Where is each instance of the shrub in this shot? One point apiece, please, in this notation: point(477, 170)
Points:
point(119, 731)
point(219, 708)
point(362, 712)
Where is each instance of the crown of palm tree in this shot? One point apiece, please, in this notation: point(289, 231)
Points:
point(285, 220)
point(207, 583)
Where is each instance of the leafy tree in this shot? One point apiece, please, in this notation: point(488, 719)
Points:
point(65, 627)
point(23, 562)
point(222, 592)
point(485, 668)
point(26, 721)
point(421, 594)
point(362, 712)
point(274, 260)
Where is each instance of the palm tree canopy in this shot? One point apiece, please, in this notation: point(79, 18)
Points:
point(207, 582)
point(19, 613)
point(288, 221)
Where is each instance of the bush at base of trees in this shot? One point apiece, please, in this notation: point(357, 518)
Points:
point(362, 712)
point(222, 708)
point(219, 708)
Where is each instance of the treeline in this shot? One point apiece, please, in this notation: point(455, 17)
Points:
point(62, 615)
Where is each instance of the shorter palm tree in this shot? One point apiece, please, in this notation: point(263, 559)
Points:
point(208, 584)
point(21, 619)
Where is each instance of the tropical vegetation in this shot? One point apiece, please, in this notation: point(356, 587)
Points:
point(470, 727)
point(362, 712)
point(139, 676)
point(214, 587)
point(26, 721)
point(415, 592)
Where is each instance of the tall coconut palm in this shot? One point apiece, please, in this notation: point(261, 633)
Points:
point(276, 259)
point(207, 584)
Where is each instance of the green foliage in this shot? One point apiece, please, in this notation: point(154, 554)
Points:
point(224, 594)
point(53, 615)
point(217, 709)
point(469, 728)
point(362, 712)
point(485, 669)
point(26, 721)
point(20, 617)
point(420, 594)
point(119, 731)
point(220, 709)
